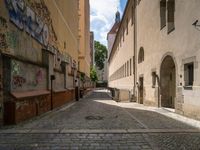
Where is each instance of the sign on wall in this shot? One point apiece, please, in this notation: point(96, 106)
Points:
point(27, 20)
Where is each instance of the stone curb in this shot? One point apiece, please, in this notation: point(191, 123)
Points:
point(128, 131)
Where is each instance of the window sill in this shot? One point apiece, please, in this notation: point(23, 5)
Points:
point(27, 94)
point(60, 91)
point(162, 27)
point(170, 31)
point(188, 87)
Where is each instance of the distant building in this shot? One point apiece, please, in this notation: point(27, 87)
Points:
point(112, 33)
point(92, 50)
point(121, 54)
point(84, 58)
point(110, 41)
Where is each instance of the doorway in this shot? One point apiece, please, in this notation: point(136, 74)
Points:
point(141, 90)
point(168, 82)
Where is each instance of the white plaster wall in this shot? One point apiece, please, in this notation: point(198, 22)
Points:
point(182, 43)
point(122, 54)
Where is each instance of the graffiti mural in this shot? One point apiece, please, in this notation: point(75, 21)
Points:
point(12, 39)
point(3, 43)
point(26, 19)
point(27, 77)
point(18, 81)
point(3, 23)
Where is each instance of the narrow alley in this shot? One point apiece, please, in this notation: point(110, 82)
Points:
point(98, 122)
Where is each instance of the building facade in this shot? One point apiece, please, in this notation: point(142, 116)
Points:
point(166, 48)
point(92, 50)
point(121, 57)
point(39, 56)
point(168, 53)
point(84, 58)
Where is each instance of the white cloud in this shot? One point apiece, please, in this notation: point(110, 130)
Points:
point(102, 17)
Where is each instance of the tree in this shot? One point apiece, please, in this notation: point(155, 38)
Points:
point(100, 54)
point(93, 74)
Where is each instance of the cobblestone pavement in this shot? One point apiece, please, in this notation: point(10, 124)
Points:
point(97, 122)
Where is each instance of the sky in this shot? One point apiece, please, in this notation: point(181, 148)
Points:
point(102, 17)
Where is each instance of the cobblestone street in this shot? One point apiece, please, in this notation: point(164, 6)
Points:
point(97, 122)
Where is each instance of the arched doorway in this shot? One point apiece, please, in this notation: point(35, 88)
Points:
point(168, 82)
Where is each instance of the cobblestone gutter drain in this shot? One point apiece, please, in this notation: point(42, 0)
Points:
point(94, 118)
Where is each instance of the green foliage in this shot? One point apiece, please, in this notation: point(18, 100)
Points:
point(93, 74)
point(82, 77)
point(100, 54)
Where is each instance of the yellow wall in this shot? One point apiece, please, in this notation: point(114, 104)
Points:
point(84, 35)
point(64, 14)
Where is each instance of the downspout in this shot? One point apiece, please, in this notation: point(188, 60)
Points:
point(135, 47)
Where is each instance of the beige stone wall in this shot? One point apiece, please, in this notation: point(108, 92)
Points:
point(84, 37)
point(122, 52)
point(182, 44)
point(65, 21)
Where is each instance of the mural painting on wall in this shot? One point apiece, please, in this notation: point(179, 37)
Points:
point(3, 23)
point(27, 77)
point(3, 27)
point(8, 39)
point(26, 19)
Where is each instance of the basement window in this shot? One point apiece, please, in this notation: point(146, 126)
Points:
point(189, 74)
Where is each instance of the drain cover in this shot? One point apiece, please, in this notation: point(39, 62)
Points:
point(94, 118)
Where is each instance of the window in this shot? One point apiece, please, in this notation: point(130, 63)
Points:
point(133, 65)
point(153, 79)
point(163, 13)
point(65, 45)
point(123, 70)
point(127, 68)
point(123, 33)
point(141, 55)
point(130, 68)
point(127, 26)
point(132, 15)
point(170, 15)
point(189, 74)
point(120, 43)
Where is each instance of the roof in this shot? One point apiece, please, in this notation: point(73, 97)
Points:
point(114, 29)
point(119, 27)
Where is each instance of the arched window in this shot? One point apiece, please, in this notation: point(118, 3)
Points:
point(141, 55)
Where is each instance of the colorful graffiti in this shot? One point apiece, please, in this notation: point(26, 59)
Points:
point(39, 77)
point(18, 81)
point(3, 23)
point(26, 19)
point(27, 77)
point(3, 43)
point(12, 39)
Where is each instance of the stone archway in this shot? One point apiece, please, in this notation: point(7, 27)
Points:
point(168, 82)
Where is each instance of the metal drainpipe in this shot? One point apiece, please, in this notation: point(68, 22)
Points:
point(52, 78)
point(135, 45)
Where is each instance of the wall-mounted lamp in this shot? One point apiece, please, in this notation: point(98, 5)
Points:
point(196, 23)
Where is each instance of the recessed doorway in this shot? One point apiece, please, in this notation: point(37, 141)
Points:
point(168, 82)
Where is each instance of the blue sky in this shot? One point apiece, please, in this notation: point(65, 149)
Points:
point(102, 17)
